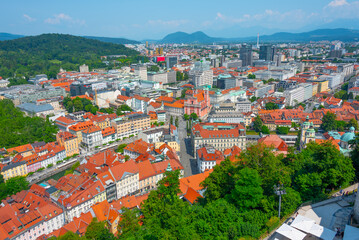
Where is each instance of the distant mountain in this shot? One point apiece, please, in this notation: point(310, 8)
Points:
point(9, 36)
point(182, 37)
point(340, 34)
point(47, 53)
point(113, 40)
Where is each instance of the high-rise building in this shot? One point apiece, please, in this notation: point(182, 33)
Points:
point(159, 51)
point(171, 61)
point(246, 55)
point(146, 44)
point(226, 81)
point(141, 71)
point(266, 52)
point(201, 74)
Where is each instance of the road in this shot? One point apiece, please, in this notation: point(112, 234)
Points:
point(48, 172)
point(188, 162)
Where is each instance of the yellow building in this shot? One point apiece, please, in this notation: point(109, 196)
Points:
point(24, 150)
point(14, 170)
point(131, 124)
point(315, 88)
point(78, 128)
point(174, 145)
point(69, 142)
point(103, 121)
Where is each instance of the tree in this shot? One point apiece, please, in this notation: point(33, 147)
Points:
point(127, 158)
point(251, 76)
point(340, 125)
point(129, 223)
point(78, 105)
point(328, 122)
point(194, 116)
point(1, 179)
point(247, 192)
point(165, 214)
point(121, 147)
point(69, 236)
point(271, 106)
point(282, 130)
point(220, 182)
point(351, 96)
point(252, 99)
point(98, 231)
point(16, 184)
point(257, 124)
point(265, 129)
point(186, 117)
point(321, 107)
point(319, 167)
point(153, 68)
point(353, 123)
point(177, 122)
point(281, 89)
point(171, 120)
point(119, 112)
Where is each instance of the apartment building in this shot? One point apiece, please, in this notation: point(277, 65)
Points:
point(69, 141)
point(208, 157)
point(127, 178)
point(92, 137)
point(220, 135)
point(28, 215)
point(78, 128)
point(131, 124)
point(14, 170)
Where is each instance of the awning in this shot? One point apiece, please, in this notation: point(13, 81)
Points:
point(290, 232)
point(351, 233)
point(309, 226)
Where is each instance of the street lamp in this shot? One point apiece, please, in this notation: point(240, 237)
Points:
point(279, 190)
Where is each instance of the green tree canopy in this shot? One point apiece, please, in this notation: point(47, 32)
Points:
point(271, 106)
point(328, 122)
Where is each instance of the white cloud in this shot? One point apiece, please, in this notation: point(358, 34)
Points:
point(338, 3)
point(28, 18)
point(61, 17)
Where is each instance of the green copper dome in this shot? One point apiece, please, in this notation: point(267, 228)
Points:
point(347, 136)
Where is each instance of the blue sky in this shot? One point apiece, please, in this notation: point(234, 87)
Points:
point(154, 19)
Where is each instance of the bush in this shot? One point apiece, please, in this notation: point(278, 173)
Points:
point(110, 142)
point(50, 165)
point(282, 130)
point(40, 169)
point(131, 136)
point(30, 174)
point(272, 223)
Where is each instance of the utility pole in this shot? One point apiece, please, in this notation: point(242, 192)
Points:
point(279, 190)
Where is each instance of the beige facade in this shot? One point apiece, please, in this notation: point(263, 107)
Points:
point(219, 135)
point(131, 124)
point(174, 145)
point(14, 170)
point(69, 141)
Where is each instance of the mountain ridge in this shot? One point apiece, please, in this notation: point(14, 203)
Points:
point(341, 34)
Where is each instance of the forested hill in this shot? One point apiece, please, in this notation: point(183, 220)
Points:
point(47, 53)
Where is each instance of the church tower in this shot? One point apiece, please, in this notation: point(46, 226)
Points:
point(310, 134)
point(305, 128)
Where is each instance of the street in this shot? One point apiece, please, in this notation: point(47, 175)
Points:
point(186, 156)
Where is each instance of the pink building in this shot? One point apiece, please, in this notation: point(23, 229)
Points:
point(199, 103)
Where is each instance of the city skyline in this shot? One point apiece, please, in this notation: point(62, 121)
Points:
point(156, 20)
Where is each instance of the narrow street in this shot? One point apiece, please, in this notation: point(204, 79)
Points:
point(186, 155)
